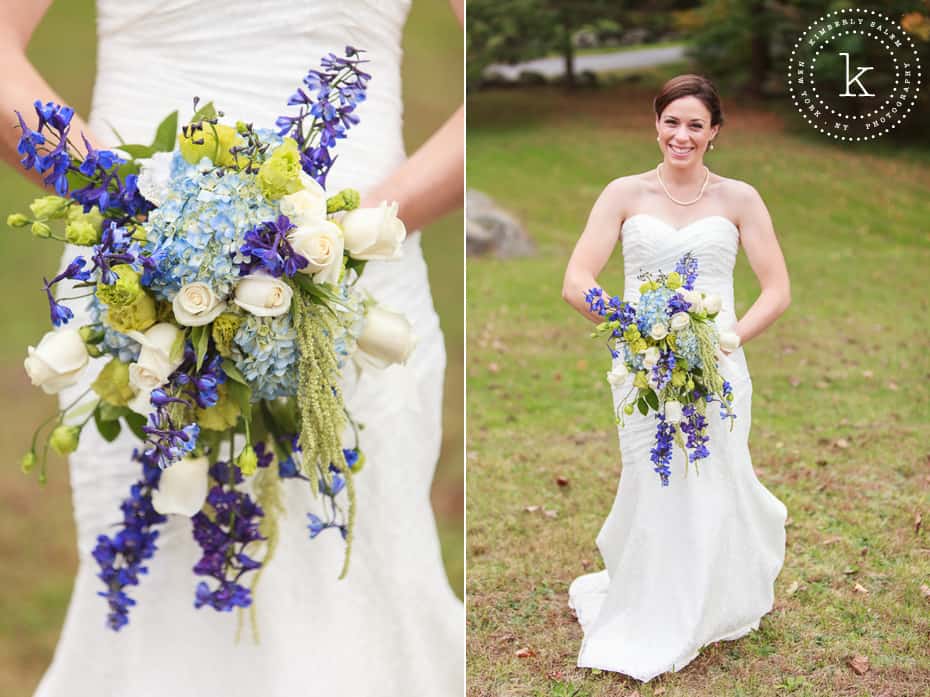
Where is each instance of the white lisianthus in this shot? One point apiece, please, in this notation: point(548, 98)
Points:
point(651, 357)
point(659, 331)
point(321, 243)
point(729, 341)
point(182, 488)
point(263, 295)
point(712, 303)
point(673, 411)
point(697, 301)
point(307, 206)
point(387, 337)
point(374, 233)
point(680, 320)
point(196, 304)
point(617, 374)
point(154, 365)
point(58, 360)
point(154, 175)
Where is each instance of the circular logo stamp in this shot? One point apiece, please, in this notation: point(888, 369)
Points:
point(854, 74)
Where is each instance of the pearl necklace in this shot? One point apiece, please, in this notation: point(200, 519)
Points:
point(683, 203)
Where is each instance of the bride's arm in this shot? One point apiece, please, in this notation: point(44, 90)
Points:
point(431, 182)
point(22, 84)
point(594, 247)
point(767, 261)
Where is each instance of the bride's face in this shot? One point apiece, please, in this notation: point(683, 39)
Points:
point(684, 131)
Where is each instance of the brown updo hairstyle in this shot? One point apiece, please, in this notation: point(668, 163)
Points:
point(690, 86)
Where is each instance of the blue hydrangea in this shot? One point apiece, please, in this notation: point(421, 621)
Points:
point(686, 343)
point(653, 308)
point(265, 351)
point(114, 343)
point(351, 323)
point(200, 226)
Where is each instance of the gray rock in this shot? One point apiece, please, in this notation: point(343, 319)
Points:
point(492, 231)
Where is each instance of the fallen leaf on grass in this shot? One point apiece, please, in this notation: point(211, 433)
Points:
point(859, 588)
point(561, 481)
point(821, 385)
point(859, 664)
point(531, 509)
point(788, 522)
point(524, 653)
point(582, 364)
point(832, 540)
point(892, 385)
point(793, 588)
point(494, 368)
point(842, 443)
point(551, 514)
point(925, 589)
point(867, 374)
point(556, 675)
point(850, 570)
point(794, 381)
point(557, 377)
point(585, 563)
point(863, 551)
point(659, 691)
point(918, 519)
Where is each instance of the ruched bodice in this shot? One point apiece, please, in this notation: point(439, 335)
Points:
point(694, 562)
point(248, 57)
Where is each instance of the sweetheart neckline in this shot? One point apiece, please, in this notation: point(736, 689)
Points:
point(679, 229)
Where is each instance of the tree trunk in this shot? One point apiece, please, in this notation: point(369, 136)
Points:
point(760, 62)
point(568, 52)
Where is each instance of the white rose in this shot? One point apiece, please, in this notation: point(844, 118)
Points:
point(57, 362)
point(307, 206)
point(263, 295)
point(617, 374)
point(680, 320)
point(729, 341)
point(155, 365)
point(712, 303)
point(374, 233)
point(182, 488)
point(652, 382)
point(321, 243)
point(659, 331)
point(697, 302)
point(673, 411)
point(196, 304)
point(651, 357)
point(387, 337)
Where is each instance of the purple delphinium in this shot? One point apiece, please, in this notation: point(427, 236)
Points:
point(115, 247)
point(662, 370)
point(121, 556)
point(661, 454)
point(60, 314)
point(687, 268)
point(224, 539)
point(694, 426)
point(268, 249)
point(327, 110)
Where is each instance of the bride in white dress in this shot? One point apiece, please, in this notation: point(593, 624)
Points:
point(693, 562)
point(393, 627)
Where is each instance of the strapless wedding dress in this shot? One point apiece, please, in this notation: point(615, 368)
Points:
point(694, 562)
point(393, 627)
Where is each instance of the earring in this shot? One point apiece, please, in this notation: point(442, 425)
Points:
point(711, 145)
point(657, 138)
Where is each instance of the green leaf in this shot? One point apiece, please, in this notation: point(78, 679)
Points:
point(135, 422)
point(205, 113)
point(139, 152)
point(167, 134)
point(357, 264)
point(200, 338)
point(652, 400)
point(643, 407)
point(110, 412)
point(109, 429)
point(128, 168)
point(233, 372)
point(243, 396)
point(177, 348)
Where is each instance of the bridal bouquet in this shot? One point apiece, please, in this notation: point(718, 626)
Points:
point(220, 279)
point(668, 342)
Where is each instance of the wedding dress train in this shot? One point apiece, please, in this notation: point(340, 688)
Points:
point(393, 627)
point(694, 562)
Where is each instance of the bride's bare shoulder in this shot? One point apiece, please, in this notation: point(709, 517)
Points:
point(624, 190)
point(735, 191)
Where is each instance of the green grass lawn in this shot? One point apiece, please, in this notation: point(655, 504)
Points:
point(36, 527)
point(841, 422)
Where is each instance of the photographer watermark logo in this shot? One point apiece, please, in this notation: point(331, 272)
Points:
point(854, 74)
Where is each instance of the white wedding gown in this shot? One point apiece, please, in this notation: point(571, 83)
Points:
point(694, 562)
point(393, 627)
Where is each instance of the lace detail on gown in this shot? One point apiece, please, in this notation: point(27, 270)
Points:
point(695, 562)
point(393, 627)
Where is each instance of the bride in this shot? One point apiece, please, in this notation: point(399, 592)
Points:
point(393, 627)
point(694, 562)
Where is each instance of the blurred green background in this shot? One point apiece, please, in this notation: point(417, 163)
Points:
point(36, 528)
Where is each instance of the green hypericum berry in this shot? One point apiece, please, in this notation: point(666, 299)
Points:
point(628, 410)
point(28, 462)
point(64, 439)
